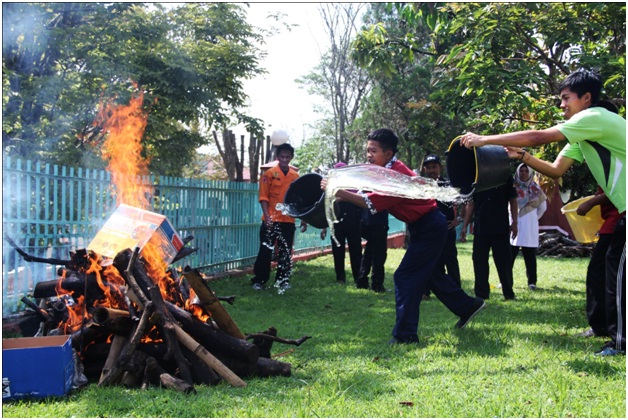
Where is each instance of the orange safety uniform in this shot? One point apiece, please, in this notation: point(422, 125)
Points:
point(272, 188)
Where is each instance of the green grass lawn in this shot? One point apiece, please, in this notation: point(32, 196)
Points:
point(515, 359)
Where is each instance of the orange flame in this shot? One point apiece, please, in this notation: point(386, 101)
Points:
point(125, 127)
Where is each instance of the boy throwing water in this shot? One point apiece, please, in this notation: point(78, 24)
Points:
point(428, 234)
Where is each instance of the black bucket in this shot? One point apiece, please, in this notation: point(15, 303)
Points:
point(478, 168)
point(305, 200)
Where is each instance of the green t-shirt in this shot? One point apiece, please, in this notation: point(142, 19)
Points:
point(598, 136)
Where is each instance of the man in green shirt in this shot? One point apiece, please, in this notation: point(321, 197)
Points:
point(597, 136)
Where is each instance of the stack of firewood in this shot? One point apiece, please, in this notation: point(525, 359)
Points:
point(555, 244)
point(129, 334)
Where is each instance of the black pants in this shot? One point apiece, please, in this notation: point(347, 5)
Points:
point(448, 261)
point(280, 235)
point(596, 286)
point(450, 256)
point(616, 286)
point(500, 245)
point(347, 232)
point(529, 258)
point(374, 258)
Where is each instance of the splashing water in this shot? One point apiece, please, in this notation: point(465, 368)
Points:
point(380, 180)
point(284, 263)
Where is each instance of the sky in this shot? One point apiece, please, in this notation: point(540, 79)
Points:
point(275, 97)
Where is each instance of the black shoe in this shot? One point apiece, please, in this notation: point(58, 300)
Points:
point(513, 297)
point(341, 281)
point(478, 305)
point(378, 288)
point(409, 340)
point(361, 285)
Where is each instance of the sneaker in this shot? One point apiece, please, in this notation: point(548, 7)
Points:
point(609, 351)
point(587, 333)
point(285, 285)
point(258, 286)
point(477, 307)
point(532, 286)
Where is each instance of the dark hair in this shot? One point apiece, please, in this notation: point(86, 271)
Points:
point(387, 139)
point(285, 146)
point(582, 81)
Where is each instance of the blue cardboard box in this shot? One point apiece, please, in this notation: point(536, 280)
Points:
point(37, 367)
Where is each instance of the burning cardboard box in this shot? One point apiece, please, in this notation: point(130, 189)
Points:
point(131, 227)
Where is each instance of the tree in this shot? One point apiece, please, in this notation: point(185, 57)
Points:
point(497, 65)
point(61, 59)
point(337, 79)
point(402, 98)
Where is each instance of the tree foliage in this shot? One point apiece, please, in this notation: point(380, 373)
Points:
point(60, 60)
point(402, 95)
point(496, 66)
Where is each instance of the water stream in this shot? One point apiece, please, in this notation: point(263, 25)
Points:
point(380, 180)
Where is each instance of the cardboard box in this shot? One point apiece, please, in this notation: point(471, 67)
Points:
point(131, 227)
point(37, 367)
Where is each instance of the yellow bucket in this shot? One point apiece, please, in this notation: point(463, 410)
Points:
point(585, 228)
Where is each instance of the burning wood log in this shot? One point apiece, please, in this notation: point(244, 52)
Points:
point(165, 322)
point(116, 371)
point(213, 339)
point(135, 369)
point(202, 373)
point(211, 303)
point(208, 358)
point(115, 321)
point(117, 344)
point(156, 374)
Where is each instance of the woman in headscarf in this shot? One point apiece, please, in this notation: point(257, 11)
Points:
point(531, 202)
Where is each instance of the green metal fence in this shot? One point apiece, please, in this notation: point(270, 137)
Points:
point(51, 210)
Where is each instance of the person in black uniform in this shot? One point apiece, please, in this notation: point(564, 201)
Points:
point(347, 232)
point(375, 231)
point(491, 230)
point(449, 259)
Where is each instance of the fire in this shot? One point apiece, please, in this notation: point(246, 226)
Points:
point(75, 307)
point(125, 127)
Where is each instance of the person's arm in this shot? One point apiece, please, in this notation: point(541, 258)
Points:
point(267, 219)
point(514, 214)
point(597, 200)
point(354, 198)
point(468, 214)
point(529, 138)
point(554, 170)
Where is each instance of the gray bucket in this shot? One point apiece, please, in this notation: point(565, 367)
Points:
point(305, 200)
point(476, 169)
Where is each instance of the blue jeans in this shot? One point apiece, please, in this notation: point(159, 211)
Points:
point(416, 274)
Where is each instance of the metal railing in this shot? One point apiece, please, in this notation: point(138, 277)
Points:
point(50, 210)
